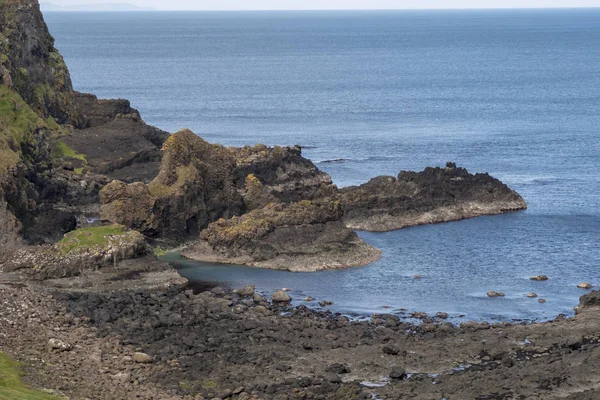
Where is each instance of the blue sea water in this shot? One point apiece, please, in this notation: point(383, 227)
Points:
point(513, 93)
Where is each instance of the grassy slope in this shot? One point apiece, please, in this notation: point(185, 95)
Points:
point(11, 386)
point(17, 123)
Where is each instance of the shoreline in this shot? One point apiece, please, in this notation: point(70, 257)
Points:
point(336, 357)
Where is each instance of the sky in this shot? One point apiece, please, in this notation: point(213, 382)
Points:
point(333, 4)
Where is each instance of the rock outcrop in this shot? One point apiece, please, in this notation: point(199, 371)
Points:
point(81, 250)
point(31, 65)
point(283, 173)
point(195, 186)
point(303, 236)
point(431, 196)
point(115, 140)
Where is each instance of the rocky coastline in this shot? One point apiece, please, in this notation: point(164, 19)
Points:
point(174, 343)
point(89, 192)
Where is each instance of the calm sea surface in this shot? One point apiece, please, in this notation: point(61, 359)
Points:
point(513, 93)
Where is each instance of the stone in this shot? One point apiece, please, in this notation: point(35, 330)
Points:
point(308, 298)
point(442, 315)
point(245, 291)
point(333, 377)
point(337, 368)
point(325, 303)
point(391, 348)
point(541, 301)
point(398, 372)
point(492, 293)
point(539, 278)
point(532, 295)
point(281, 297)
point(142, 358)
point(58, 345)
point(417, 276)
point(585, 285)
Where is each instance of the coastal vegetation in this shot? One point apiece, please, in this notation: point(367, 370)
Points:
point(93, 237)
point(11, 385)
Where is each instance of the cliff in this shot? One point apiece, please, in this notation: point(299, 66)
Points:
point(431, 196)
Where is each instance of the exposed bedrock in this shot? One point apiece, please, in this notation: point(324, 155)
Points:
point(434, 195)
point(300, 237)
point(283, 172)
point(195, 186)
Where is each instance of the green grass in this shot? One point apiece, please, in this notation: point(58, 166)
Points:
point(62, 150)
point(11, 385)
point(17, 123)
point(89, 237)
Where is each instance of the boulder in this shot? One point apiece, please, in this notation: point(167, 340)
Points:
point(391, 348)
point(398, 372)
point(245, 291)
point(281, 297)
point(58, 345)
point(142, 358)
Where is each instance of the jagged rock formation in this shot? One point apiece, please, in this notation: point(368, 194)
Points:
point(300, 237)
point(283, 173)
point(194, 187)
point(49, 182)
point(431, 196)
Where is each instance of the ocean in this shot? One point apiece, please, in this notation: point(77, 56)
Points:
point(511, 92)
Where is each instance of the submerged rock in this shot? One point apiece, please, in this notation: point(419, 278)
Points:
point(539, 278)
point(585, 285)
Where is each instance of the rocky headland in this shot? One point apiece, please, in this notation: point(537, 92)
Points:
point(417, 198)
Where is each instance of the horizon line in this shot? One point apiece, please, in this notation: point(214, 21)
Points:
point(340, 9)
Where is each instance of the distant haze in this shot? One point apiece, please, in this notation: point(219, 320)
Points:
point(116, 5)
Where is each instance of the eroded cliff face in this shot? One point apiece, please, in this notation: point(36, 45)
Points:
point(30, 63)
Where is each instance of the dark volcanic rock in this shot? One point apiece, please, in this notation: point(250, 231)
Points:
point(115, 140)
point(30, 63)
point(434, 195)
point(303, 236)
point(283, 172)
